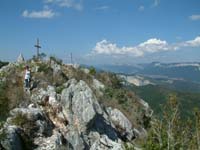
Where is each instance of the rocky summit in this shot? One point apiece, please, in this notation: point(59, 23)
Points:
point(68, 108)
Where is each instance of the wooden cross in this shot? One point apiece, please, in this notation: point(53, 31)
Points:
point(38, 47)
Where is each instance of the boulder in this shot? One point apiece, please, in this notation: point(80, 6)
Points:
point(36, 120)
point(104, 143)
point(78, 101)
point(12, 139)
point(97, 84)
point(121, 123)
point(32, 114)
point(75, 138)
point(55, 142)
point(39, 96)
point(55, 66)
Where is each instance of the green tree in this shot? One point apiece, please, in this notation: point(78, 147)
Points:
point(92, 71)
point(171, 132)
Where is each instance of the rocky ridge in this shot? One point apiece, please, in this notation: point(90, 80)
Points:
point(66, 114)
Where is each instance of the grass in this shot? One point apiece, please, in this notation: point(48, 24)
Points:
point(59, 89)
point(4, 102)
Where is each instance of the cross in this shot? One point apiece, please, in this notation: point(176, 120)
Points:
point(71, 58)
point(38, 47)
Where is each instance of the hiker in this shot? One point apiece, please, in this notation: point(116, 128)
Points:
point(27, 77)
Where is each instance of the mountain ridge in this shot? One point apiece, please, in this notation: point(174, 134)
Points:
point(68, 107)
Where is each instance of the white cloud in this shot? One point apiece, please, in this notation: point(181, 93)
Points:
point(193, 43)
point(105, 47)
point(150, 46)
point(195, 17)
point(141, 8)
point(153, 45)
point(102, 8)
point(45, 13)
point(67, 3)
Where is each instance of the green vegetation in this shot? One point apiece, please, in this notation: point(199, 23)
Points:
point(157, 95)
point(57, 60)
point(29, 127)
point(92, 71)
point(59, 89)
point(116, 96)
point(4, 102)
point(44, 68)
point(3, 63)
point(171, 132)
point(3, 135)
point(19, 120)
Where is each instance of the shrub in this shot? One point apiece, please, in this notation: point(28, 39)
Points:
point(171, 132)
point(92, 71)
point(19, 120)
point(57, 60)
point(3, 63)
point(4, 102)
point(59, 89)
point(44, 68)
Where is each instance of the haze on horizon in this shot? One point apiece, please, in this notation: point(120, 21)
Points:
point(102, 31)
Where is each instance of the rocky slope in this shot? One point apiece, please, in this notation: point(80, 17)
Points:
point(65, 109)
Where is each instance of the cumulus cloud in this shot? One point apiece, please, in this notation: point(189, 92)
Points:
point(106, 47)
point(195, 17)
point(193, 43)
point(153, 45)
point(45, 13)
point(67, 3)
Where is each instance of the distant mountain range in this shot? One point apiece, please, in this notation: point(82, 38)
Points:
point(189, 71)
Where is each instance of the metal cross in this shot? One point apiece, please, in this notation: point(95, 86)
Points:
point(38, 47)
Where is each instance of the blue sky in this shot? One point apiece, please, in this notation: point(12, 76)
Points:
point(102, 31)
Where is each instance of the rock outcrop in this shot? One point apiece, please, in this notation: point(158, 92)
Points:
point(71, 119)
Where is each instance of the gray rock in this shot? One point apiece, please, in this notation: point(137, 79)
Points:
point(39, 96)
point(12, 140)
point(78, 101)
point(55, 142)
point(104, 143)
point(7, 68)
point(55, 66)
point(75, 139)
point(40, 122)
point(32, 114)
point(122, 124)
point(51, 92)
point(97, 84)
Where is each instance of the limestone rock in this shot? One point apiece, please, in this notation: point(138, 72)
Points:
point(97, 84)
point(40, 122)
point(12, 140)
point(122, 124)
point(104, 143)
point(79, 101)
point(55, 66)
point(54, 142)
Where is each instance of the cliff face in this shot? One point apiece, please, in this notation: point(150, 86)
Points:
point(66, 109)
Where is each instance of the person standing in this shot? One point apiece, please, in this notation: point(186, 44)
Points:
point(27, 77)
